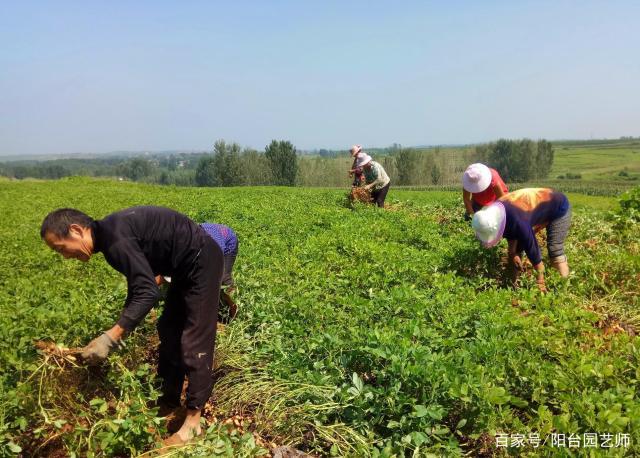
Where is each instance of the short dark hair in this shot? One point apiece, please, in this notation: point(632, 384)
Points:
point(58, 221)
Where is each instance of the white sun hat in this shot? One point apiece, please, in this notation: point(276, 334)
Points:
point(476, 178)
point(489, 224)
point(363, 159)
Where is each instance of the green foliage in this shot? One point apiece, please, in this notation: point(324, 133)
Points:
point(436, 175)
point(206, 171)
point(630, 204)
point(519, 160)
point(570, 176)
point(123, 423)
point(407, 165)
point(256, 168)
point(229, 166)
point(283, 161)
point(544, 159)
point(218, 442)
point(135, 169)
point(224, 168)
point(360, 332)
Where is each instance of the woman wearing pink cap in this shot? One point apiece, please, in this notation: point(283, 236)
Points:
point(482, 185)
point(376, 178)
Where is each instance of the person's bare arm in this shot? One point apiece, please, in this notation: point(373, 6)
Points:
point(466, 197)
point(540, 277)
point(514, 256)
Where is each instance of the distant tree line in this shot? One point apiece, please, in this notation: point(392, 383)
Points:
point(280, 163)
point(177, 169)
point(518, 161)
point(230, 165)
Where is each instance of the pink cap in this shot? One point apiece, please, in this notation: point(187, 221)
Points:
point(476, 178)
point(363, 159)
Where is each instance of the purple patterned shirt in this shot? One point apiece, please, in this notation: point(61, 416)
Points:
point(223, 236)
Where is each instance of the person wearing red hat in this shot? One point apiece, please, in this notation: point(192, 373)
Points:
point(481, 186)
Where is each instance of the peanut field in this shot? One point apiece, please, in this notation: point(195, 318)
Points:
point(360, 332)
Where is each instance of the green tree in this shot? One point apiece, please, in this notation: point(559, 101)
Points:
point(135, 169)
point(520, 161)
point(500, 156)
point(406, 165)
point(205, 171)
point(436, 175)
point(283, 162)
point(227, 164)
point(56, 171)
point(222, 168)
point(164, 178)
point(544, 158)
point(525, 161)
point(256, 168)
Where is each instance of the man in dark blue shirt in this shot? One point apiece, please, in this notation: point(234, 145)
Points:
point(140, 243)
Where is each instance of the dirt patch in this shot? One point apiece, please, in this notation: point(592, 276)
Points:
point(611, 327)
point(483, 447)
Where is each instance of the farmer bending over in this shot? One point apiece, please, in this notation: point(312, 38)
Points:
point(376, 179)
point(481, 186)
point(517, 216)
point(141, 242)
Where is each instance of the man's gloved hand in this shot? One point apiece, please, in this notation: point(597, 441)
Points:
point(98, 349)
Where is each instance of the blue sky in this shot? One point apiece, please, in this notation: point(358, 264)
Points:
point(98, 76)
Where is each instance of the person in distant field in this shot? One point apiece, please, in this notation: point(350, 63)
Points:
point(517, 216)
point(376, 179)
point(356, 172)
point(227, 240)
point(140, 243)
point(481, 186)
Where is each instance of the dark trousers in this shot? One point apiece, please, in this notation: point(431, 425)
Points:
point(187, 330)
point(380, 195)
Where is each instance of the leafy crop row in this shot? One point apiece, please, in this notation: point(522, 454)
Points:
point(360, 332)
